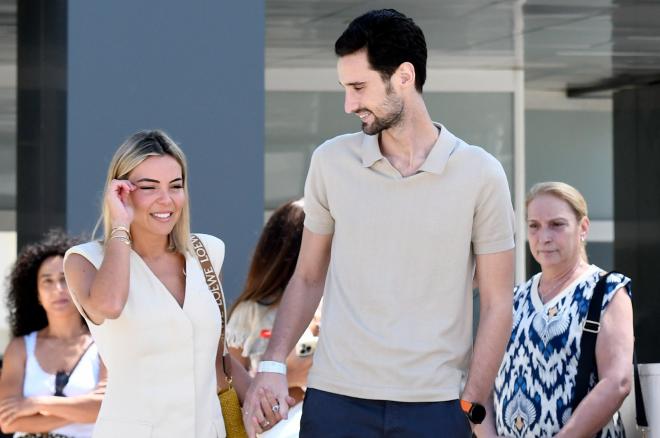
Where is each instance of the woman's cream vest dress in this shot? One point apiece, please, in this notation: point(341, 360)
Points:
point(160, 356)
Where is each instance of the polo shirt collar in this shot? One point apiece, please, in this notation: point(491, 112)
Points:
point(440, 152)
point(370, 150)
point(435, 161)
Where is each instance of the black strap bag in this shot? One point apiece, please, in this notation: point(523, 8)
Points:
point(587, 362)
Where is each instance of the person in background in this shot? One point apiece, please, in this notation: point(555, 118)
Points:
point(52, 380)
point(253, 313)
point(535, 386)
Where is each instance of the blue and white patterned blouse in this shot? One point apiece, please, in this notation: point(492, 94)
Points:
point(535, 384)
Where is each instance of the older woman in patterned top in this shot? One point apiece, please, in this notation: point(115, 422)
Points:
point(535, 386)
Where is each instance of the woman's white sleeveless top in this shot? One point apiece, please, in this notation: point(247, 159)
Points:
point(83, 380)
point(160, 356)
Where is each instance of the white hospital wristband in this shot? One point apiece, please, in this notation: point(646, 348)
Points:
point(269, 366)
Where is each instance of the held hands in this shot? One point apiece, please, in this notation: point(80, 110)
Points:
point(267, 402)
point(118, 202)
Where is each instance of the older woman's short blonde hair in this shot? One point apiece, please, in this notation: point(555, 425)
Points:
point(566, 193)
point(137, 148)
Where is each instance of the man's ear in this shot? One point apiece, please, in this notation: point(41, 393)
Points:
point(405, 75)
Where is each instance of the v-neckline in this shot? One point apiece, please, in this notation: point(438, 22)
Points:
point(554, 301)
point(75, 367)
point(169, 293)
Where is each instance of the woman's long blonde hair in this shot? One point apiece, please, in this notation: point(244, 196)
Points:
point(137, 148)
point(566, 193)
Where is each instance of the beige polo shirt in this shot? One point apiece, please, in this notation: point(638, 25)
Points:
point(397, 313)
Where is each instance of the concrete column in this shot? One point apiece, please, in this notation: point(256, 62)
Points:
point(637, 208)
point(40, 118)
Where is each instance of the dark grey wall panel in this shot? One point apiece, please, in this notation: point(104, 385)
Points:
point(194, 69)
point(40, 118)
point(637, 208)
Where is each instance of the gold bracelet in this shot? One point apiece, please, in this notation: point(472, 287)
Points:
point(121, 228)
point(124, 239)
point(123, 233)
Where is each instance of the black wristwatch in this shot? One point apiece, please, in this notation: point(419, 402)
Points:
point(474, 411)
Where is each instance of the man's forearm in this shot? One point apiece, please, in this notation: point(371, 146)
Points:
point(294, 314)
point(492, 336)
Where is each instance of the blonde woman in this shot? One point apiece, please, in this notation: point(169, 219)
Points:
point(144, 296)
point(535, 386)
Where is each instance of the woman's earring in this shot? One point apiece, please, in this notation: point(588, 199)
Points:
point(582, 237)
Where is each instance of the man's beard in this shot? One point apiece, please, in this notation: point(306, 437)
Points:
point(393, 117)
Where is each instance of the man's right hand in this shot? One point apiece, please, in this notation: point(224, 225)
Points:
point(254, 406)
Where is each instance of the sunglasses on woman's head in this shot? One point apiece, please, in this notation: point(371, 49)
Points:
point(61, 379)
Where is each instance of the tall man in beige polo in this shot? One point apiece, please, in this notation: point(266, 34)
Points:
point(399, 219)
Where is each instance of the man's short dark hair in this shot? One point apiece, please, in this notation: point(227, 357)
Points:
point(390, 39)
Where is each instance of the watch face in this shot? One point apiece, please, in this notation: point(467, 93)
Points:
point(478, 413)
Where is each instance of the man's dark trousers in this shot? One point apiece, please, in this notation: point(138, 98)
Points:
point(328, 415)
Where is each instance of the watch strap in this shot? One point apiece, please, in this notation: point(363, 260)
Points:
point(474, 411)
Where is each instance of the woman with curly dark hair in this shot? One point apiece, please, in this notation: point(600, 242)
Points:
point(52, 378)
